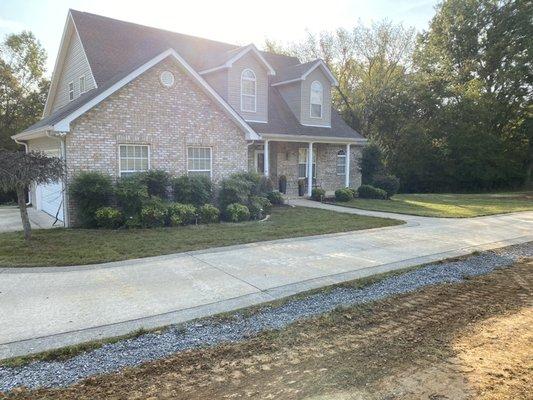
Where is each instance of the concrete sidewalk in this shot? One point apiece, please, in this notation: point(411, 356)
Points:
point(44, 308)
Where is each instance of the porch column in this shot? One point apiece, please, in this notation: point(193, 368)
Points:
point(266, 166)
point(347, 180)
point(310, 169)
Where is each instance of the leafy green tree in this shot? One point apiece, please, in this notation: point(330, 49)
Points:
point(23, 86)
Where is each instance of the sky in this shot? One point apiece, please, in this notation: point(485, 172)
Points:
point(234, 21)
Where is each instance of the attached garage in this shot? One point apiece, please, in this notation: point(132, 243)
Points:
point(50, 199)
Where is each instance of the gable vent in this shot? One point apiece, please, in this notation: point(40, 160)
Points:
point(167, 78)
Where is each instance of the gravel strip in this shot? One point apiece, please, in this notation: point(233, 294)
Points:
point(209, 331)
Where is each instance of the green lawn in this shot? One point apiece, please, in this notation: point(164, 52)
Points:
point(449, 205)
point(57, 247)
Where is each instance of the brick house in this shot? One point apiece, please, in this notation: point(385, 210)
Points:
point(126, 98)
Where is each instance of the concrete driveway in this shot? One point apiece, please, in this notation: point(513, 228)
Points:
point(43, 308)
point(10, 219)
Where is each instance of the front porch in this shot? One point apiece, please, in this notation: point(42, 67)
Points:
point(307, 164)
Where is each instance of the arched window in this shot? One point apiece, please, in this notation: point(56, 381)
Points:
point(248, 91)
point(317, 96)
point(341, 162)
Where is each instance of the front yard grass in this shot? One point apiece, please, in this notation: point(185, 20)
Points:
point(449, 205)
point(59, 247)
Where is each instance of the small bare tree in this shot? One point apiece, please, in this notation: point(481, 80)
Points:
point(20, 170)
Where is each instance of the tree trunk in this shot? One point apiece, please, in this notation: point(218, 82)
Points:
point(21, 197)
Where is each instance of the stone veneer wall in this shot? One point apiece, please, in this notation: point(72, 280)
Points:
point(167, 119)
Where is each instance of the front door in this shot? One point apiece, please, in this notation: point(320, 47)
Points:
point(260, 162)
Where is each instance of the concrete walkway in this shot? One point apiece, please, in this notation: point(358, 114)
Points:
point(10, 219)
point(43, 308)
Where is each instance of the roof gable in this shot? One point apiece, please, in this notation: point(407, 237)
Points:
point(295, 73)
point(234, 55)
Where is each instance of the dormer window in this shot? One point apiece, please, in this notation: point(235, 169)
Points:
point(71, 91)
point(248, 91)
point(317, 97)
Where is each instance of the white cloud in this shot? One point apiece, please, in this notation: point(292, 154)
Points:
point(10, 25)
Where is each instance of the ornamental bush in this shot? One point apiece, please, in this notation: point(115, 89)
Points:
point(108, 218)
point(157, 182)
point(389, 183)
point(131, 194)
point(181, 214)
point(259, 207)
point(275, 198)
point(196, 190)
point(371, 192)
point(318, 194)
point(153, 214)
point(235, 189)
point(343, 194)
point(237, 212)
point(208, 214)
point(91, 191)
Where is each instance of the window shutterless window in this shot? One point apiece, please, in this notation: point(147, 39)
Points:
point(82, 84)
point(71, 91)
point(133, 158)
point(317, 96)
point(248, 91)
point(199, 161)
point(341, 162)
point(302, 163)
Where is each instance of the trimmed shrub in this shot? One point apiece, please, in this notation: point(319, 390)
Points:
point(91, 191)
point(208, 214)
point(108, 218)
point(237, 212)
point(275, 198)
point(259, 207)
point(131, 194)
point(195, 190)
point(371, 192)
point(318, 194)
point(133, 222)
point(235, 189)
point(343, 194)
point(157, 182)
point(181, 214)
point(153, 214)
point(389, 183)
point(354, 192)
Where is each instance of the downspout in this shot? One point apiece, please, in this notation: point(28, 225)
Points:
point(26, 151)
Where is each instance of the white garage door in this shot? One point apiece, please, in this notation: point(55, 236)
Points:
point(50, 199)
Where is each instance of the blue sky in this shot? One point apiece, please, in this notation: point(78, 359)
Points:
point(234, 21)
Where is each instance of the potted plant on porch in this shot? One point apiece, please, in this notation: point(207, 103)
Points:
point(301, 187)
point(283, 184)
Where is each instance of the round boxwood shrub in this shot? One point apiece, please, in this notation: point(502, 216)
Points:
point(108, 218)
point(318, 194)
point(208, 214)
point(131, 194)
point(389, 183)
point(371, 192)
point(237, 212)
point(196, 190)
point(90, 191)
point(343, 194)
point(259, 207)
point(157, 182)
point(181, 214)
point(153, 215)
point(275, 198)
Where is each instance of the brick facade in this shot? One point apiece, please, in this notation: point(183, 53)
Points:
point(167, 119)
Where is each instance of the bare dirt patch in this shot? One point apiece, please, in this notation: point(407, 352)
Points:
point(469, 340)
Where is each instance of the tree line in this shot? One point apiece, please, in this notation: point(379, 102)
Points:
point(448, 108)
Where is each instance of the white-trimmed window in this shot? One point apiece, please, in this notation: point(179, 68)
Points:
point(317, 98)
point(248, 91)
point(71, 91)
point(341, 162)
point(302, 163)
point(199, 161)
point(134, 158)
point(82, 84)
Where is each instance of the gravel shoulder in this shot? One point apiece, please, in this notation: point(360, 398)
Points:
point(217, 334)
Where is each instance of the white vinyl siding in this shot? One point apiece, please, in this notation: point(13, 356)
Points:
point(248, 91)
point(199, 161)
point(134, 158)
point(305, 117)
point(75, 66)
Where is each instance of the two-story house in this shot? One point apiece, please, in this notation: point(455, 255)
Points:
point(126, 98)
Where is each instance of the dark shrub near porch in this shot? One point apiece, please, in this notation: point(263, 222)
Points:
point(195, 190)
point(91, 191)
point(275, 198)
point(371, 192)
point(318, 194)
point(343, 194)
point(389, 183)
